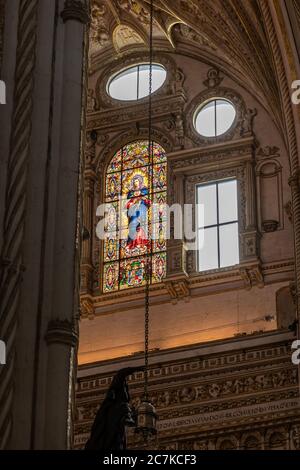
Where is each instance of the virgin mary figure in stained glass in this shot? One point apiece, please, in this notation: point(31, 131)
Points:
point(136, 191)
point(137, 212)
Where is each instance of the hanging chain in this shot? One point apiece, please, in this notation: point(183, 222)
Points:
point(148, 266)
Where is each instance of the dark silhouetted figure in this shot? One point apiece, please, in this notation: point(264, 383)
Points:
point(115, 413)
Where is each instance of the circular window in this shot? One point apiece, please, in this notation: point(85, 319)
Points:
point(133, 83)
point(215, 117)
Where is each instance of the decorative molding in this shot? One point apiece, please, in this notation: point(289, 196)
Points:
point(75, 10)
point(213, 79)
point(61, 331)
point(15, 206)
point(248, 122)
point(116, 118)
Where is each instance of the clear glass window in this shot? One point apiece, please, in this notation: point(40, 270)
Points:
point(133, 83)
point(217, 225)
point(215, 118)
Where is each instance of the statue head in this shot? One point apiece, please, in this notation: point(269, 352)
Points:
point(118, 389)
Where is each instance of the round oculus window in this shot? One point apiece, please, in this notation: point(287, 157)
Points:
point(132, 84)
point(215, 117)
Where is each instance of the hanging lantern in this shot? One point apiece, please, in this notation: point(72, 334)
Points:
point(146, 420)
point(146, 415)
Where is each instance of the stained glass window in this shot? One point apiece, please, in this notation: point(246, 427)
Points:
point(135, 222)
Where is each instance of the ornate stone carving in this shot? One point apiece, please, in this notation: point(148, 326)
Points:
point(213, 79)
point(267, 152)
point(75, 10)
point(252, 276)
point(179, 130)
point(247, 124)
point(87, 308)
point(178, 289)
point(99, 31)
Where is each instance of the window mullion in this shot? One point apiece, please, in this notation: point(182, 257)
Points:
point(216, 118)
point(138, 83)
point(218, 225)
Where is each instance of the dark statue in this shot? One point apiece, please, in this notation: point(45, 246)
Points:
point(114, 414)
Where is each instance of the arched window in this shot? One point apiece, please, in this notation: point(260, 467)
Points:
point(136, 192)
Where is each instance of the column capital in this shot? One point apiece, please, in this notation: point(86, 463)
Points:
point(75, 10)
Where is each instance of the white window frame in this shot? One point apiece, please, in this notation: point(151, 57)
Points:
point(218, 223)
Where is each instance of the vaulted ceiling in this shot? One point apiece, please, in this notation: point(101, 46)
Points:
point(227, 33)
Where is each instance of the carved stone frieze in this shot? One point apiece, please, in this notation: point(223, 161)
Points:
point(163, 109)
point(240, 399)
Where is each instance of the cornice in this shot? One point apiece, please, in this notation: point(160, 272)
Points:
point(244, 276)
point(116, 117)
point(208, 156)
point(209, 356)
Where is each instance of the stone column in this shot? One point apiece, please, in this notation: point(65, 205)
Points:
point(19, 60)
point(61, 337)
